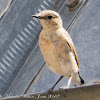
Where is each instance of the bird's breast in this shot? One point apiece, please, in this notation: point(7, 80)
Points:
point(54, 56)
point(57, 56)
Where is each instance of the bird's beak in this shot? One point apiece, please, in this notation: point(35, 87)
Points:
point(36, 16)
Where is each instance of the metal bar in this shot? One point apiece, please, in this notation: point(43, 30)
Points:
point(91, 92)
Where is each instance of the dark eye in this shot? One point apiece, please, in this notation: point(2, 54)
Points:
point(49, 17)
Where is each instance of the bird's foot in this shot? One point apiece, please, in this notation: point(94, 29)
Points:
point(50, 91)
point(64, 87)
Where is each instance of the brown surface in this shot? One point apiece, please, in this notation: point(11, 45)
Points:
point(82, 93)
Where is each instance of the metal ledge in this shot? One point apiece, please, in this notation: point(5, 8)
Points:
point(91, 92)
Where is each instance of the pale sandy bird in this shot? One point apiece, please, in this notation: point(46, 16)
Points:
point(57, 47)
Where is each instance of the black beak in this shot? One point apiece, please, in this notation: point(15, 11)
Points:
point(36, 16)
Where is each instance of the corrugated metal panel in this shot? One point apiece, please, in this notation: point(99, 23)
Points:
point(19, 34)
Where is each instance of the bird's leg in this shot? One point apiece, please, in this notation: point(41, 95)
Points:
point(69, 81)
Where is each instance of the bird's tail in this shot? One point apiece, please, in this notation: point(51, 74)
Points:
point(81, 80)
point(77, 80)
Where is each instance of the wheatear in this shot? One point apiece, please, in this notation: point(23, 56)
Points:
point(57, 47)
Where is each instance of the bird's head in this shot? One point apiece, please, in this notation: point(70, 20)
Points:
point(49, 19)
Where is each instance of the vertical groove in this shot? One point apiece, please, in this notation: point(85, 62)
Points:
point(34, 79)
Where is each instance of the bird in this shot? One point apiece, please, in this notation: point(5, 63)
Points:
point(57, 47)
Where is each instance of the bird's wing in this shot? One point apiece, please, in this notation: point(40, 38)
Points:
point(72, 49)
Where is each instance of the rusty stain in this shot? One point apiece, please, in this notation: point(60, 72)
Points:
point(73, 5)
point(84, 35)
point(57, 2)
point(5, 8)
point(97, 82)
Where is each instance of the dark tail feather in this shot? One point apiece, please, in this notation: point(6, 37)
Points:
point(82, 81)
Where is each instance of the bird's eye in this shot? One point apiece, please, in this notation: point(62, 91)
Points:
point(49, 17)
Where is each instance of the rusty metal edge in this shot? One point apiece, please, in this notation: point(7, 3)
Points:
point(91, 92)
point(5, 9)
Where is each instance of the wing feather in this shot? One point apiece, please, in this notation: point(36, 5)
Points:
point(72, 49)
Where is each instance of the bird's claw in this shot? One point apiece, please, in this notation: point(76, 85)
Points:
point(50, 91)
point(64, 87)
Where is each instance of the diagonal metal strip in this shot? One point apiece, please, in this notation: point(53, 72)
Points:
point(5, 8)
